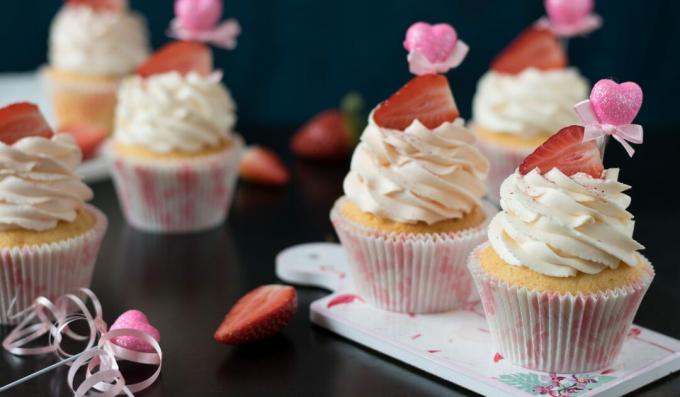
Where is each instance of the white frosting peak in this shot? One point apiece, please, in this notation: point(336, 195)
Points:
point(559, 225)
point(417, 174)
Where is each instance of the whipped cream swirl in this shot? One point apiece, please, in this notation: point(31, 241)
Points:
point(531, 103)
point(97, 43)
point(38, 184)
point(559, 225)
point(417, 175)
point(170, 112)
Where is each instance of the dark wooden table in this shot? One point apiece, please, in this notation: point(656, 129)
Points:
point(186, 283)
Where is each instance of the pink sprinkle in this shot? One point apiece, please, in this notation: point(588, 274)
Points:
point(497, 357)
point(416, 336)
point(434, 351)
point(343, 299)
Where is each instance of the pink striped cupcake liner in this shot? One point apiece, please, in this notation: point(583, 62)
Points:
point(503, 161)
point(176, 196)
point(49, 270)
point(410, 273)
point(552, 332)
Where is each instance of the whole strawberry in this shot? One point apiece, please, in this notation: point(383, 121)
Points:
point(331, 134)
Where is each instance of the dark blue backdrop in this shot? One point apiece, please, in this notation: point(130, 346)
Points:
point(296, 57)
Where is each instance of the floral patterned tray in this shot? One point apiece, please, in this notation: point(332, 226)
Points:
point(456, 346)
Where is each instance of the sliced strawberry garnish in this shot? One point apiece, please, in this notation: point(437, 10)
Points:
point(179, 56)
point(535, 47)
point(427, 98)
point(21, 120)
point(262, 166)
point(89, 138)
point(100, 5)
point(567, 152)
point(260, 314)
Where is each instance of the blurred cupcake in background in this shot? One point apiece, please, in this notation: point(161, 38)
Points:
point(93, 44)
point(175, 155)
point(49, 237)
point(412, 209)
point(526, 96)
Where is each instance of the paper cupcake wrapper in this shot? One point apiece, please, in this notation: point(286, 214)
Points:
point(176, 196)
point(410, 273)
point(503, 161)
point(552, 332)
point(50, 270)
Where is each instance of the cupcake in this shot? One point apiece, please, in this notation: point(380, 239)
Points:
point(561, 277)
point(175, 157)
point(49, 237)
point(93, 44)
point(412, 209)
point(526, 96)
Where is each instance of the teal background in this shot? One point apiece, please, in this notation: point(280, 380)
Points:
point(296, 57)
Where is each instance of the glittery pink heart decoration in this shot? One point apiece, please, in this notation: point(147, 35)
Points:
point(135, 319)
point(198, 15)
point(568, 11)
point(435, 42)
point(616, 104)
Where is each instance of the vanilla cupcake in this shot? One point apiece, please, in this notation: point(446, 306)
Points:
point(527, 95)
point(175, 156)
point(561, 277)
point(92, 46)
point(413, 208)
point(49, 237)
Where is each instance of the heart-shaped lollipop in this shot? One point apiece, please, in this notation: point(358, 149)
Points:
point(616, 104)
point(198, 15)
point(135, 319)
point(435, 42)
point(568, 11)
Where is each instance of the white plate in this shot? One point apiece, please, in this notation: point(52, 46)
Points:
point(457, 346)
point(27, 87)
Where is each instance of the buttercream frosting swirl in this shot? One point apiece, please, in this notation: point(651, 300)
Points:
point(170, 112)
point(528, 104)
point(559, 225)
point(417, 175)
point(38, 184)
point(97, 43)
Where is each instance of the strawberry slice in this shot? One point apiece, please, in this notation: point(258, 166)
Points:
point(427, 98)
point(89, 138)
point(567, 152)
point(535, 47)
point(262, 166)
point(21, 120)
point(100, 5)
point(260, 314)
point(179, 56)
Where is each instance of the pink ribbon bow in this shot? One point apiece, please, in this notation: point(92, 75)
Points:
point(100, 361)
point(594, 129)
point(198, 20)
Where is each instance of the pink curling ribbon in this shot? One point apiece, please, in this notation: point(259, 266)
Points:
point(610, 111)
point(433, 48)
point(198, 20)
point(131, 341)
point(569, 18)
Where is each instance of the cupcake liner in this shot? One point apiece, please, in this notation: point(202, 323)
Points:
point(503, 161)
point(410, 273)
point(552, 332)
point(50, 270)
point(177, 195)
point(87, 101)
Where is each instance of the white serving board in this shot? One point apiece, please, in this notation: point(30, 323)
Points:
point(457, 346)
point(27, 87)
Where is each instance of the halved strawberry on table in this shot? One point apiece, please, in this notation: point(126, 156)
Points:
point(427, 98)
point(20, 120)
point(260, 165)
point(567, 152)
point(179, 56)
point(536, 47)
point(100, 5)
point(89, 138)
point(260, 314)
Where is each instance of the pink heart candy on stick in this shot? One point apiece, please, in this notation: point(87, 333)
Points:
point(616, 104)
point(569, 18)
point(198, 15)
point(199, 20)
point(135, 319)
point(433, 48)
